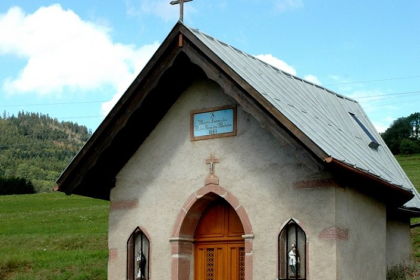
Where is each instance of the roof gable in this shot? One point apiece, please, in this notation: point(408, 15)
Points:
point(319, 119)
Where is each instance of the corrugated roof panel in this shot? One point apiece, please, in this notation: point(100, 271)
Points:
point(320, 114)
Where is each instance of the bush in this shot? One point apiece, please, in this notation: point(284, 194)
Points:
point(409, 147)
point(14, 185)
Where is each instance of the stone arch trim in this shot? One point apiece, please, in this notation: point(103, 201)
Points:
point(182, 247)
point(192, 209)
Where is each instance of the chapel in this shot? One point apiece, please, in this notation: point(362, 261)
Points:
point(218, 165)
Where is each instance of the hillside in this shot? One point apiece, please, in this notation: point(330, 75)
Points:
point(37, 147)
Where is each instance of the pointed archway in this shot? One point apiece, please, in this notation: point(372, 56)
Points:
point(182, 239)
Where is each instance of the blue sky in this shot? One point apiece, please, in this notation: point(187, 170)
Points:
point(74, 59)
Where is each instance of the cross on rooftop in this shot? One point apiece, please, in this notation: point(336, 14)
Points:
point(181, 7)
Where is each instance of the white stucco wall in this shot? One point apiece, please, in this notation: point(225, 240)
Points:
point(168, 168)
point(398, 240)
point(363, 254)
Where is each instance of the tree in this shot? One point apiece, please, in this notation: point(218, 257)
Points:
point(403, 136)
point(15, 185)
point(400, 129)
point(409, 147)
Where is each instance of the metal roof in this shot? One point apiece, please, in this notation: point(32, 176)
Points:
point(322, 115)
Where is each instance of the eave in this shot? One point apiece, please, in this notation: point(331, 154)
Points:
point(375, 186)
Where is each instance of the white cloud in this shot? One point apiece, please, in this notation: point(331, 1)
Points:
point(140, 58)
point(106, 107)
point(64, 52)
point(278, 63)
point(283, 5)
point(312, 79)
point(380, 127)
point(383, 123)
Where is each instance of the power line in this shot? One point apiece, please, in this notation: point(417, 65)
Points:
point(372, 81)
point(54, 104)
point(78, 117)
point(391, 94)
point(379, 105)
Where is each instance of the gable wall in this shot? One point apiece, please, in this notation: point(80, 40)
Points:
point(168, 168)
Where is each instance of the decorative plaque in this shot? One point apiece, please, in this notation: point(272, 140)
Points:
point(213, 123)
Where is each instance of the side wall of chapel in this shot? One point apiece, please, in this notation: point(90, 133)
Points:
point(398, 240)
point(362, 254)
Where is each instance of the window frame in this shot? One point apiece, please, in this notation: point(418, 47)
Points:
point(132, 254)
point(284, 246)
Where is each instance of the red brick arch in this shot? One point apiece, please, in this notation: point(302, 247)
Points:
point(182, 248)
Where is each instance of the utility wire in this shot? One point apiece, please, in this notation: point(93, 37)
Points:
point(78, 117)
point(391, 94)
point(53, 104)
point(372, 81)
point(380, 105)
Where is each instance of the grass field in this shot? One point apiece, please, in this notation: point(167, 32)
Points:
point(411, 166)
point(53, 236)
point(57, 237)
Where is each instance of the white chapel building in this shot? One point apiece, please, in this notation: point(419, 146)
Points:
point(220, 166)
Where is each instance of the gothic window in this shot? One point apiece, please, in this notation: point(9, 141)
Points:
point(138, 256)
point(292, 252)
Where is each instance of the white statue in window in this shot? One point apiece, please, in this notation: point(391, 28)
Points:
point(141, 265)
point(294, 260)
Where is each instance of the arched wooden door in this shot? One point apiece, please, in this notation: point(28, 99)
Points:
point(219, 249)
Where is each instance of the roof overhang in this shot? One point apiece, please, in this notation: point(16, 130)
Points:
point(369, 183)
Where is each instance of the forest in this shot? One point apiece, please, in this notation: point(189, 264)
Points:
point(37, 148)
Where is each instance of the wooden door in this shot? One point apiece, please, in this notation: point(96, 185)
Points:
point(219, 252)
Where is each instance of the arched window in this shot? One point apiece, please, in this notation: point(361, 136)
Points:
point(138, 256)
point(292, 252)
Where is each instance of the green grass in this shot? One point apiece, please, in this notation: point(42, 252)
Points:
point(411, 166)
point(53, 236)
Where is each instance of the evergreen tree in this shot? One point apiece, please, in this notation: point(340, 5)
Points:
point(37, 148)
